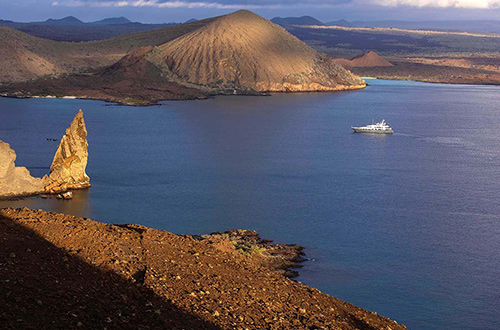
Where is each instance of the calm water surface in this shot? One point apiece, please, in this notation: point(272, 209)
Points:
point(406, 225)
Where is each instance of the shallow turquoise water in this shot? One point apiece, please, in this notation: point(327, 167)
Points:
point(405, 225)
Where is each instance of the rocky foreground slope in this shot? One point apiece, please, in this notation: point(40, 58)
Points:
point(62, 272)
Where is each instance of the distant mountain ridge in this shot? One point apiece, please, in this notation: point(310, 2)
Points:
point(303, 20)
point(66, 21)
point(73, 21)
point(72, 29)
point(341, 22)
point(112, 21)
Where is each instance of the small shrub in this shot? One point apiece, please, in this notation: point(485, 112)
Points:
point(257, 249)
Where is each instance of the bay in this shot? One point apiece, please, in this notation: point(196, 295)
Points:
point(406, 225)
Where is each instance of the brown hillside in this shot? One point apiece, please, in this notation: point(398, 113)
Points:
point(131, 81)
point(243, 51)
point(347, 64)
point(24, 57)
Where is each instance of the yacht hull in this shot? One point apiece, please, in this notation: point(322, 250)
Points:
point(371, 131)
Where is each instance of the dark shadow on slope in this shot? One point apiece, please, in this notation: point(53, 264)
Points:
point(44, 287)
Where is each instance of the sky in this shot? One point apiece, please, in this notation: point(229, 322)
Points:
point(160, 11)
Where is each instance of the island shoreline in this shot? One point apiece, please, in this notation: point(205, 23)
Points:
point(158, 102)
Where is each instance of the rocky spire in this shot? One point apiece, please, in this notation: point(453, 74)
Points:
point(68, 167)
point(15, 180)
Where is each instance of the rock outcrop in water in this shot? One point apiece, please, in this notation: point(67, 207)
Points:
point(67, 170)
point(15, 180)
point(70, 161)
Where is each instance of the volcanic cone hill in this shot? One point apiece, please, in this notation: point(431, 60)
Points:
point(366, 60)
point(370, 59)
point(244, 52)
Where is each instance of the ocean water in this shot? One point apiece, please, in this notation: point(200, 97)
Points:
point(406, 225)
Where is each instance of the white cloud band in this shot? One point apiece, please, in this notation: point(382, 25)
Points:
point(157, 4)
point(468, 4)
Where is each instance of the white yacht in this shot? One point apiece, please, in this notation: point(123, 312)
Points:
point(377, 128)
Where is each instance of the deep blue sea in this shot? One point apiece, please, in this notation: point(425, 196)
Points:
point(406, 225)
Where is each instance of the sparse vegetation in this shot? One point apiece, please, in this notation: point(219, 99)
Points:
point(258, 249)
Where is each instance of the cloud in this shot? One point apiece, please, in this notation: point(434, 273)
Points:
point(166, 4)
point(279, 4)
point(220, 4)
point(468, 4)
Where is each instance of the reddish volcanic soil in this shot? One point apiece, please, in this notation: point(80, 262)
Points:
point(130, 81)
point(62, 272)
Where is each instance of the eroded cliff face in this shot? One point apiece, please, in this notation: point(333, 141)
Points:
point(70, 161)
point(67, 170)
point(15, 180)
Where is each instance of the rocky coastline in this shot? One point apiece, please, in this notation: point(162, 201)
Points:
point(282, 259)
point(64, 272)
point(136, 98)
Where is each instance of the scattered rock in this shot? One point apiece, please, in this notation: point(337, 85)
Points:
point(67, 195)
point(237, 292)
